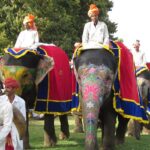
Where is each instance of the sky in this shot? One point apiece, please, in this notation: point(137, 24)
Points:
point(133, 18)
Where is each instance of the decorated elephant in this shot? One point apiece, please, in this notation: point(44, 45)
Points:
point(143, 81)
point(108, 88)
point(44, 75)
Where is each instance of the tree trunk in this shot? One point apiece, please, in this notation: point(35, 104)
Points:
point(26, 137)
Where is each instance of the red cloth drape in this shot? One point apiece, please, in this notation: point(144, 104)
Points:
point(60, 75)
point(128, 85)
point(9, 147)
point(148, 65)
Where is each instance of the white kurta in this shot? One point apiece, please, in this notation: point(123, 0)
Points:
point(27, 39)
point(6, 118)
point(95, 34)
point(19, 103)
point(139, 58)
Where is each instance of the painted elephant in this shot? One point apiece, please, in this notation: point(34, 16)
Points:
point(96, 70)
point(31, 69)
point(143, 81)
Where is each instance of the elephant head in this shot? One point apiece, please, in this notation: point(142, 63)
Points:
point(95, 71)
point(143, 81)
point(27, 70)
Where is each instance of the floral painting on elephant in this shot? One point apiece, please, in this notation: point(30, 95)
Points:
point(54, 92)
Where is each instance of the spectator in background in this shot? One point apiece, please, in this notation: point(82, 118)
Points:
point(138, 55)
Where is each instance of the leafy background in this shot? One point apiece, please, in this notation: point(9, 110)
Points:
point(58, 21)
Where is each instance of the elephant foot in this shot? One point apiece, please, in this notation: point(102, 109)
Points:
point(48, 142)
point(119, 141)
point(108, 148)
point(26, 147)
point(62, 136)
point(145, 131)
point(128, 134)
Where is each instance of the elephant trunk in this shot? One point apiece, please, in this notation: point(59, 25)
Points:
point(95, 84)
point(91, 106)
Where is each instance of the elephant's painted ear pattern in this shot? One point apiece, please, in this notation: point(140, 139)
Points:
point(45, 65)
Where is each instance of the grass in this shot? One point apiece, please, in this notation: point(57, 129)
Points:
point(76, 140)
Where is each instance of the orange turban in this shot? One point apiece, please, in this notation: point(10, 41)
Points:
point(93, 10)
point(10, 82)
point(29, 19)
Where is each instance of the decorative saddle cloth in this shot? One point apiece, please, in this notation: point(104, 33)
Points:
point(17, 53)
point(54, 92)
point(127, 100)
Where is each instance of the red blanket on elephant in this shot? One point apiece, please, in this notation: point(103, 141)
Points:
point(128, 85)
point(127, 100)
point(54, 92)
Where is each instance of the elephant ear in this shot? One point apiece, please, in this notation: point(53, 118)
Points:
point(44, 66)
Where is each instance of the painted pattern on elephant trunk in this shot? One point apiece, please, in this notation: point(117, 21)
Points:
point(95, 84)
point(25, 76)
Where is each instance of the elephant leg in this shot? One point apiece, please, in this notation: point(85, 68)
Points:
point(108, 130)
point(134, 129)
point(137, 130)
point(78, 124)
point(130, 128)
point(26, 144)
point(50, 138)
point(121, 129)
point(146, 129)
point(64, 127)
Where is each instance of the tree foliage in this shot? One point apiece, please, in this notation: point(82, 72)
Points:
point(59, 21)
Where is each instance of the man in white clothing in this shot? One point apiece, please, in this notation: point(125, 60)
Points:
point(10, 88)
point(6, 119)
point(95, 31)
point(138, 55)
point(29, 37)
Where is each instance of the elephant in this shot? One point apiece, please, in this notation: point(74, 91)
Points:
point(32, 69)
point(96, 70)
point(143, 81)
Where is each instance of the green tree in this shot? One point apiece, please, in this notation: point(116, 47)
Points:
point(59, 21)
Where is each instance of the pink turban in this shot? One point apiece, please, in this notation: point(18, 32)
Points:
point(93, 10)
point(10, 82)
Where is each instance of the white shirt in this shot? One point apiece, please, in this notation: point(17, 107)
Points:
point(6, 118)
point(27, 39)
point(19, 103)
point(97, 34)
point(139, 58)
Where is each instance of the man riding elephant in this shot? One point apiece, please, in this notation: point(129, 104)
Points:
point(27, 42)
point(94, 32)
point(29, 37)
